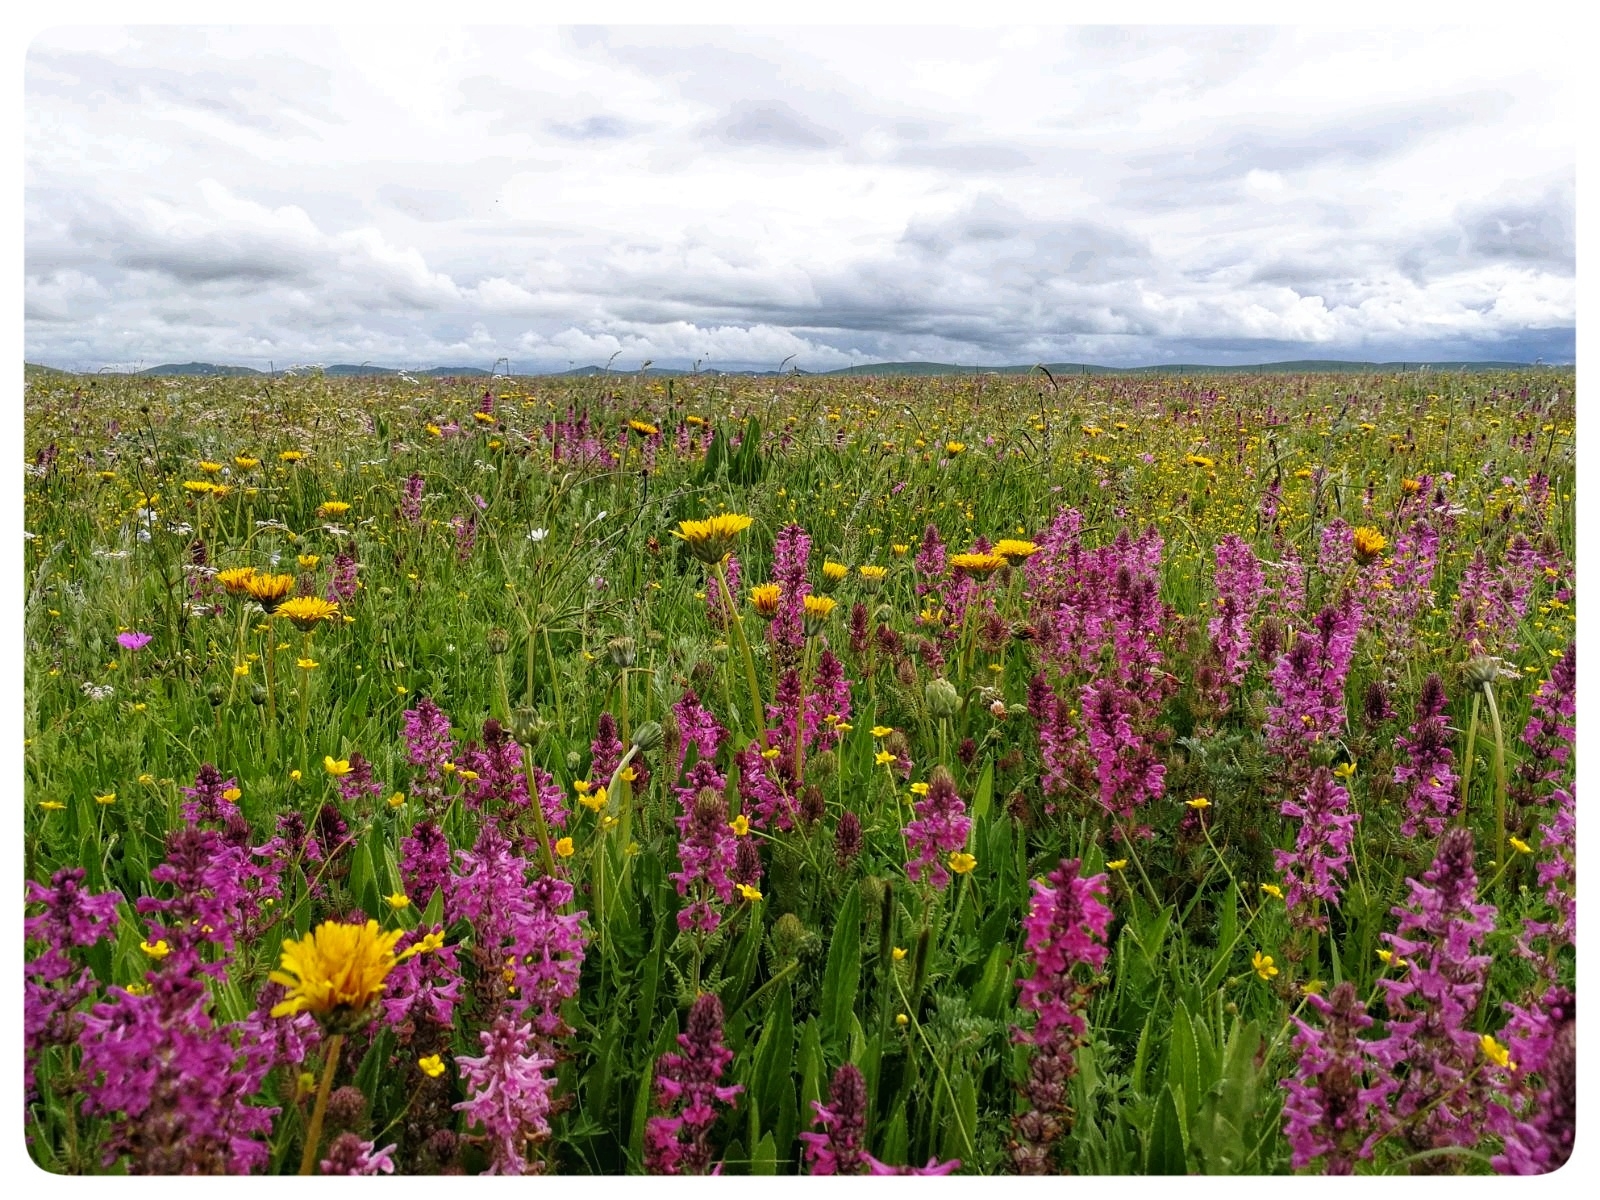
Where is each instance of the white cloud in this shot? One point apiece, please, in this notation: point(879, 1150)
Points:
point(977, 195)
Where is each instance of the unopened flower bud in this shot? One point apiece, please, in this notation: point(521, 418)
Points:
point(648, 736)
point(942, 699)
point(499, 641)
point(621, 652)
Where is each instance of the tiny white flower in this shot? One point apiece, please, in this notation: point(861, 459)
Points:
point(538, 535)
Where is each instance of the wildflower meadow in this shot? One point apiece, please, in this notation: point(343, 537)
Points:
point(974, 774)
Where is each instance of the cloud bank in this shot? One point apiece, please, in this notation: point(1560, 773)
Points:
point(738, 197)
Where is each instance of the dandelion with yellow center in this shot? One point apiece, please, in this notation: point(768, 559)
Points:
point(1201, 461)
point(236, 579)
point(764, 598)
point(1014, 550)
point(1369, 543)
point(954, 447)
point(833, 574)
point(979, 566)
point(333, 508)
point(711, 539)
point(644, 428)
point(269, 591)
point(246, 462)
point(306, 612)
point(818, 610)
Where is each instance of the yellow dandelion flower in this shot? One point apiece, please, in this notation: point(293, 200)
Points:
point(246, 462)
point(817, 610)
point(51, 805)
point(108, 798)
point(644, 428)
point(236, 579)
point(306, 612)
point(920, 788)
point(884, 758)
point(396, 800)
point(337, 969)
point(764, 599)
point(710, 540)
point(1369, 543)
point(291, 456)
point(954, 447)
point(1014, 550)
point(333, 508)
point(269, 591)
point(979, 566)
point(900, 549)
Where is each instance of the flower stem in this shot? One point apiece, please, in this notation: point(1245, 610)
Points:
point(308, 1156)
point(756, 709)
point(1499, 774)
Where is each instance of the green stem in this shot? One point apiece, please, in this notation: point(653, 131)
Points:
point(1499, 774)
point(1466, 759)
point(555, 682)
point(757, 711)
point(308, 1156)
point(272, 675)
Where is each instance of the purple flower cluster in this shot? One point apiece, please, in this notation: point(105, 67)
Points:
point(1326, 1111)
point(55, 981)
point(1127, 766)
point(939, 829)
point(1549, 733)
point(708, 854)
point(423, 987)
point(427, 737)
point(1428, 765)
point(1542, 1040)
point(1321, 854)
point(1309, 680)
point(605, 751)
point(790, 552)
point(342, 585)
point(425, 862)
point(677, 1144)
point(509, 1094)
point(351, 1154)
point(519, 926)
point(1065, 928)
point(763, 800)
point(1431, 1081)
point(411, 499)
point(1241, 585)
point(840, 1147)
point(207, 803)
point(829, 697)
point(697, 727)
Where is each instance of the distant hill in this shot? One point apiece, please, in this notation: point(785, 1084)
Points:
point(1310, 366)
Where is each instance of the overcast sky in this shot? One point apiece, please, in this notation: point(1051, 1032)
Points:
point(555, 196)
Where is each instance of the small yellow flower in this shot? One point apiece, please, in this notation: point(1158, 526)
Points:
point(1262, 963)
point(898, 953)
point(1390, 959)
point(920, 788)
point(628, 774)
point(467, 776)
point(150, 781)
point(979, 566)
point(333, 508)
point(644, 428)
point(1520, 846)
point(843, 727)
point(231, 795)
point(242, 669)
point(564, 847)
point(740, 825)
point(308, 562)
point(882, 731)
point(1116, 864)
point(246, 463)
point(1198, 802)
point(1201, 461)
point(961, 862)
point(1496, 1053)
point(158, 951)
point(954, 447)
point(137, 989)
point(294, 776)
point(396, 800)
point(1014, 550)
point(335, 766)
point(1345, 769)
point(291, 456)
point(108, 798)
point(900, 549)
point(398, 900)
point(432, 1066)
point(749, 893)
point(307, 664)
point(902, 1020)
point(883, 758)
point(1272, 890)
point(594, 801)
point(448, 767)
point(770, 753)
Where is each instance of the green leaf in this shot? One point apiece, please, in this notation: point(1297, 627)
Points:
point(764, 1160)
point(984, 795)
point(992, 992)
point(843, 972)
point(812, 1070)
point(1141, 1055)
point(961, 1133)
point(1183, 1060)
point(1165, 1152)
point(774, 1055)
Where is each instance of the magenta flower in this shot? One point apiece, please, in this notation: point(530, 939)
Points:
point(133, 640)
point(939, 829)
point(1326, 1112)
point(840, 1147)
point(1241, 585)
point(1065, 928)
point(508, 1094)
point(1321, 854)
point(350, 1154)
point(1428, 765)
point(677, 1144)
